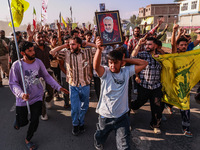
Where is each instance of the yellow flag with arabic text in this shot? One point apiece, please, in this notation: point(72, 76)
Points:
point(18, 7)
point(180, 73)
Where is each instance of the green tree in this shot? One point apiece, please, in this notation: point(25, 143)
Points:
point(137, 21)
point(170, 28)
point(163, 38)
point(193, 36)
point(133, 19)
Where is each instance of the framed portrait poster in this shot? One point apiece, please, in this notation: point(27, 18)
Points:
point(109, 27)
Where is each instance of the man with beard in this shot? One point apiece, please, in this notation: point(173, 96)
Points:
point(42, 53)
point(149, 82)
point(134, 41)
point(137, 36)
point(78, 75)
point(33, 69)
point(109, 34)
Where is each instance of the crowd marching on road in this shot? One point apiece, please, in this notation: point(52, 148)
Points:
point(66, 61)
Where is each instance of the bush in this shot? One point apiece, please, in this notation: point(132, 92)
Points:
point(163, 38)
point(193, 36)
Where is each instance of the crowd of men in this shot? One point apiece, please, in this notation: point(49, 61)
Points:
point(73, 58)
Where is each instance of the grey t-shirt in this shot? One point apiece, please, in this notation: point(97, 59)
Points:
point(113, 101)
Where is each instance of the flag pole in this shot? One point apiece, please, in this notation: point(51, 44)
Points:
point(20, 64)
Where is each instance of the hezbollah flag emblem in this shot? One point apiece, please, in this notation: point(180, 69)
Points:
point(18, 8)
point(180, 73)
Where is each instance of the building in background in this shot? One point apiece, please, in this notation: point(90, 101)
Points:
point(151, 13)
point(189, 15)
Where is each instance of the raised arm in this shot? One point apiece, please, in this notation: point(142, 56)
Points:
point(173, 39)
point(159, 22)
point(197, 41)
point(180, 32)
point(97, 59)
point(139, 63)
point(137, 48)
point(30, 33)
point(56, 49)
point(59, 32)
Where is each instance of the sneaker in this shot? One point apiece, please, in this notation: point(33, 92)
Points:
point(97, 145)
point(44, 118)
point(75, 130)
point(82, 129)
point(49, 104)
point(187, 133)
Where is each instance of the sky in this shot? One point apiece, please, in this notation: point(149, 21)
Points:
point(83, 10)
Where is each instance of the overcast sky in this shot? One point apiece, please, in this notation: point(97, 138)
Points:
point(83, 10)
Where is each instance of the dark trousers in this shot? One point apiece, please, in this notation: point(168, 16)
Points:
point(48, 95)
point(121, 127)
point(155, 102)
point(56, 72)
point(22, 118)
point(97, 86)
point(185, 115)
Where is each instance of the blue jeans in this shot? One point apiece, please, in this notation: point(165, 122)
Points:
point(79, 97)
point(121, 127)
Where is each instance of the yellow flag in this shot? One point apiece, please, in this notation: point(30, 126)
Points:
point(64, 22)
point(18, 7)
point(180, 73)
point(74, 25)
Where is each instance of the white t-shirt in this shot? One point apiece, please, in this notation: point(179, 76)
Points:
point(113, 101)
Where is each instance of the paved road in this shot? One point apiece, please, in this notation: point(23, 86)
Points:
point(55, 134)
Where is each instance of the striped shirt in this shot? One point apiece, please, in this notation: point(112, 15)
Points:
point(78, 66)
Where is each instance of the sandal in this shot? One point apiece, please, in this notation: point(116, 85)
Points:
point(31, 145)
point(187, 133)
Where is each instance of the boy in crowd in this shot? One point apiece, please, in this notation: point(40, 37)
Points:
point(113, 101)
